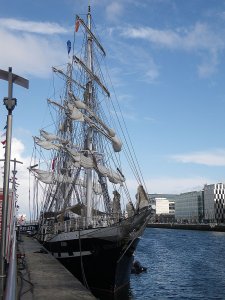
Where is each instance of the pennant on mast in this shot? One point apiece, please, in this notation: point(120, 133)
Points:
point(81, 21)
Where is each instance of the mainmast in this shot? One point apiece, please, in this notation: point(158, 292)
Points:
point(90, 130)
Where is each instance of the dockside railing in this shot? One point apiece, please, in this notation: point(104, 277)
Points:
point(11, 281)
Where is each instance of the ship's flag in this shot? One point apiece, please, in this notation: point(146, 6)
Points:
point(77, 24)
point(53, 163)
point(68, 46)
point(3, 142)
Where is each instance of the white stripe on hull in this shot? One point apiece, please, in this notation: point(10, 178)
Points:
point(75, 254)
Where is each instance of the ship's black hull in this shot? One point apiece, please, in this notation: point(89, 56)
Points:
point(106, 270)
point(101, 258)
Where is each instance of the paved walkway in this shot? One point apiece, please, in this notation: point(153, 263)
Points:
point(41, 276)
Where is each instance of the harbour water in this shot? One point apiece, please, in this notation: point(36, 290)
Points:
point(182, 264)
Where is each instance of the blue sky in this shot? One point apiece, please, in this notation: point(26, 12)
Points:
point(166, 59)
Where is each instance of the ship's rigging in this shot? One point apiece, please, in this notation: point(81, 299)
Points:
point(82, 171)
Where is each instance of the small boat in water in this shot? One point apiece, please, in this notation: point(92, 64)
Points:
point(137, 268)
point(88, 220)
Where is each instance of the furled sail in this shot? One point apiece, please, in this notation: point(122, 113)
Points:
point(110, 133)
point(74, 113)
point(46, 144)
point(113, 176)
point(79, 209)
point(116, 206)
point(81, 105)
point(117, 144)
point(80, 159)
point(142, 198)
point(44, 176)
point(50, 136)
point(130, 209)
point(86, 162)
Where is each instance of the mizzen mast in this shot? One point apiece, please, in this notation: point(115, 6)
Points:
point(89, 102)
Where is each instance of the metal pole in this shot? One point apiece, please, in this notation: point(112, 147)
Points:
point(10, 103)
point(6, 187)
point(11, 284)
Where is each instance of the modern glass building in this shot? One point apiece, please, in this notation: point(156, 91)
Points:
point(214, 202)
point(189, 207)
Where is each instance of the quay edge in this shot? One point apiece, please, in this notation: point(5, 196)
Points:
point(203, 227)
point(41, 276)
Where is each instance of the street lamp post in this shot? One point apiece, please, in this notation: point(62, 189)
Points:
point(10, 104)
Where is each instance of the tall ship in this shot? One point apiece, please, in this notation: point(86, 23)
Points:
point(88, 218)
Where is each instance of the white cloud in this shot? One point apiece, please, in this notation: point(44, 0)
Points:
point(200, 36)
point(177, 185)
point(166, 38)
point(30, 54)
point(172, 185)
point(17, 151)
point(114, 10)
point(30, 26)
point(213, 158)
point(199, 39)
point(140, 66)
point(32, 48)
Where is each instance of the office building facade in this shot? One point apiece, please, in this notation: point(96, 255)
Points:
point(189, 207)
point(214, 202)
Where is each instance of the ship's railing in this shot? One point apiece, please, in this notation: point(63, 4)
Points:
point(74, 224)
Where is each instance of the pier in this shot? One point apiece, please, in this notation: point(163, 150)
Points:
point(41, 276)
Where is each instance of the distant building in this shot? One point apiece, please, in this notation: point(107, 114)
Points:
point(164, 206)
point(172, 207)
point(161, 206)
point(189, 207)
point(207, 205)
point(214, 202)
